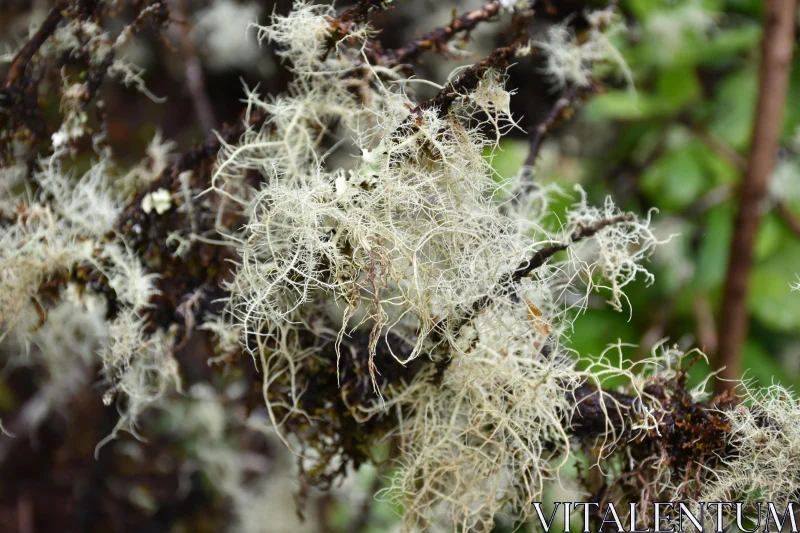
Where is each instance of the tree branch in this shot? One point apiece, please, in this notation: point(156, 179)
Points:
point(438, 38)
point(360, 10)
point(777, 44)
point(445, 98)
point(347, 19)
point(195, 80)
point(561, 108)
point(583, 232)
point(541, 256)
point(25, 55)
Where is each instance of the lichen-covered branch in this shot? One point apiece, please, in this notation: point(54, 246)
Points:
point(496, 61)
point(20, 63)
point(560, 111)
point(438, 38)
point(582, 232)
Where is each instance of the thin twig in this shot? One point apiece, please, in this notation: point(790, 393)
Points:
point(25, 55)
point(779, 22)
point(195, 79)
point(540, 257)
point(583, 232)
point(437, 39)
point(719, 147)
point(348, 19)
point(497, 60)
point(359, 11)
point(157, 12)
point(560, 108)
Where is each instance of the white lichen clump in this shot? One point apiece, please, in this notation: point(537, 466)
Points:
point(765, 436)
point(488, 436)
point(413, 238)
point(570, 61)
point(70, 224)
point(38, 244)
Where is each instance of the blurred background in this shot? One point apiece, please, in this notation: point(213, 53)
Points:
point(675, 145)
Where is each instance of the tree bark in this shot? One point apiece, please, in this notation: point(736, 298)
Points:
point(776, 50)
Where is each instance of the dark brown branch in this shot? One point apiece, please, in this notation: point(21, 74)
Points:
point(497, 60)
point(195, 80)
point(25, 55)
point(96, 77)
point(777, 45)
point(561, 111)
point(541, 256)
point(583, 232)
point(158, 13)
point(469, 79)
point(359, 11)
point(350, 17)
point(596, 410)
point(438, 38)
point(690, 438)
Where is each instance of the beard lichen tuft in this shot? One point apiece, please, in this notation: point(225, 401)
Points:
point(376, 287)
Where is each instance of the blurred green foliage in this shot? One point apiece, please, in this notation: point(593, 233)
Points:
point(675, 142)
point(676, 137)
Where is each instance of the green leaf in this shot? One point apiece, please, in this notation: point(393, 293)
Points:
point(677, 179)
point(723, 46)
point(770, 236)
point(759, 364)
point(677, 87)
point(622, 105)
point(746, 7)
point(734, 106)
point(770, 298)
point(712, 259)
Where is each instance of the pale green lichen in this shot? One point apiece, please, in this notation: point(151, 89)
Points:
point(408, 239)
